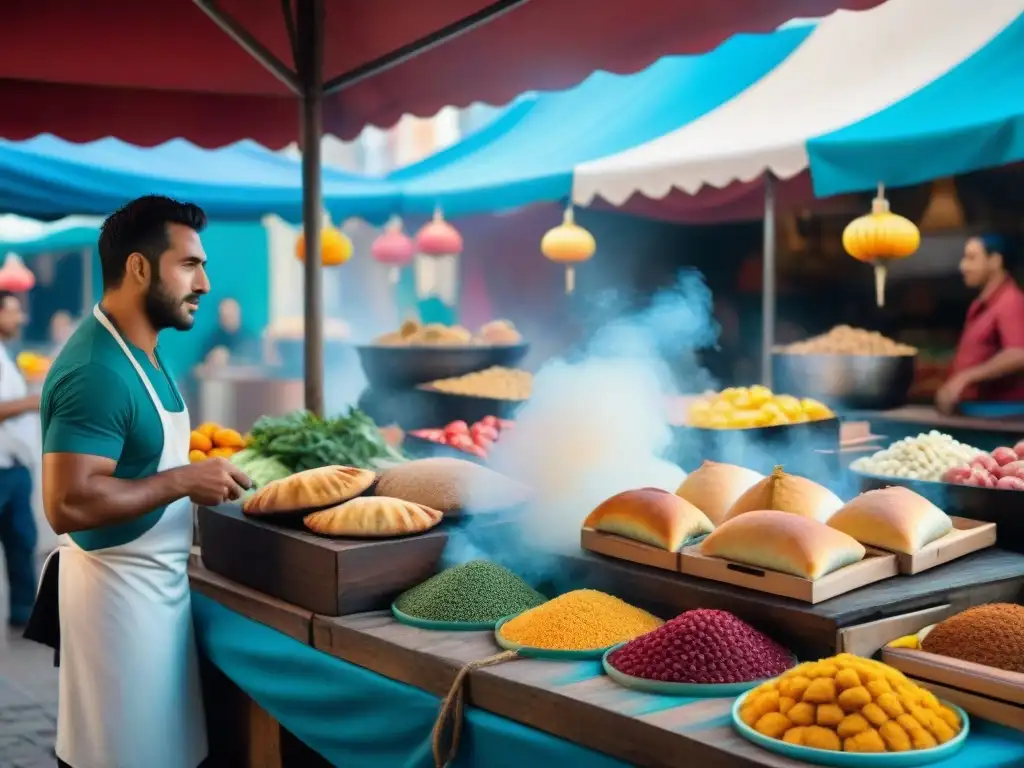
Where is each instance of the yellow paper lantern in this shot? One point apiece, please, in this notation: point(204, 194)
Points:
point(335, 247)
point(568, 244)
point(880, 237)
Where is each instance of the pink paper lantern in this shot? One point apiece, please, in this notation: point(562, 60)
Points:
point(15, 276)
point(438, 238)
point(393, 248)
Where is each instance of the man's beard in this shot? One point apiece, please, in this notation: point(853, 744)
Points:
point(167, 311)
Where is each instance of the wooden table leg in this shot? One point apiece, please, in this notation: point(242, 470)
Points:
point(264, 739)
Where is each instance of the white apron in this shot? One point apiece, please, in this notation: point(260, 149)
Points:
point(129, 675)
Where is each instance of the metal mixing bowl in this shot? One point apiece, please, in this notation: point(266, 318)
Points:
point(857, 382)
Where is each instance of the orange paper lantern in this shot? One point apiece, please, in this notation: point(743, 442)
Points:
point(335, 247)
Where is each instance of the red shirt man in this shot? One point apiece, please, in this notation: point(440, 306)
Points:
point(989, 361)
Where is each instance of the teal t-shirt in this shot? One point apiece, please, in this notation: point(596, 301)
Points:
point(94, 403)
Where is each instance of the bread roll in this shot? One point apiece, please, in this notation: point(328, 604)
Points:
point(312, 489)
point(787, 493)
point(452, 485)
point(714, 487)
point(373, 517)
point(650, 515)
point(783, 542)
point(894, 518)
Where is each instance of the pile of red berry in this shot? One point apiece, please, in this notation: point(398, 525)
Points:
point(477, 439)
point(703, 646)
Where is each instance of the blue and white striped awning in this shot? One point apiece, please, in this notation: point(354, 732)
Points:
point(905, 92)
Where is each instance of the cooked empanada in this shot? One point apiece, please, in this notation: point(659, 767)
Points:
point(373, 516)
point(312, 489)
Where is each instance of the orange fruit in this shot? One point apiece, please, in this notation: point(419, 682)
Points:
point(227, 438)
point(197, 441)
point(208, 429)
point(194, 456)
point(222, 453)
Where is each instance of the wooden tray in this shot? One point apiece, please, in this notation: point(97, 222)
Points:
point(982, 691)
point(966, 537)
point(876, 566)
point(622, 548)
point(332, 577)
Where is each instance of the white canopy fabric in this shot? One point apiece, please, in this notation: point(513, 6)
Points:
point(852, 66)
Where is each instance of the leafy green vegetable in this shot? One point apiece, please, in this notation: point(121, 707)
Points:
point(304, 441)
point(260, 469)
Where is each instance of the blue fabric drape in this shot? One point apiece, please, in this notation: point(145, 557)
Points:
point(354, 717)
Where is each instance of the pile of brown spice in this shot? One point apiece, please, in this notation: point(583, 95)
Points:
point(992, 635)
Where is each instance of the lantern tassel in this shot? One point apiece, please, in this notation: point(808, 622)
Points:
point(570, 280)
point(880, 284)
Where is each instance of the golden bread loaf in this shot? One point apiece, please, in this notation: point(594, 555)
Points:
point(783, 542)
point(650, 515)
point(787, 493)
point(373, 517)
point(314, 488)
point(894, 518)
point(714, 487)
point(452, 485)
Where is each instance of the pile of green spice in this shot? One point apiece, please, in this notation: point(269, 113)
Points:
point(477, 591)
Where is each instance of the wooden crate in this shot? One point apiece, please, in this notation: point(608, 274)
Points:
point(875, 566)
point(332, 577)
point(966, 537)
point(622, 548)
point(986, 692)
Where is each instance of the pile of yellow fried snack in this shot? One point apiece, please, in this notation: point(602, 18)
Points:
point(846, 703)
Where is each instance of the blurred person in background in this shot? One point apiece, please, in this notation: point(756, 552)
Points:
point(989, 360)
point(19, 452)
point(231, 341)
point(62, 325)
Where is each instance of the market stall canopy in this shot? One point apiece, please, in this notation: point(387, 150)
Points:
point(28, 237)
point(528, 153)
point(969, 119)
point(46, 177)
point(852, 66)
point(154, 70)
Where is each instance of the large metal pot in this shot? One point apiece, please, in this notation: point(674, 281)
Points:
point(857, 382)
point(388, 367)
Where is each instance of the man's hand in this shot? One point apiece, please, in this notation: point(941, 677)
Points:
point(214, 481)
point(951, 393)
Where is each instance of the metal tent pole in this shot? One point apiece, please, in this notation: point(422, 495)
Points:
point(768, 287)
point(309, 28)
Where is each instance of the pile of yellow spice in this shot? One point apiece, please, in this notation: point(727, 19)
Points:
point(582, 620)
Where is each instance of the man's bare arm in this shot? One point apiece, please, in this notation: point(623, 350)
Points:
point(11, 408)
point(80, 492)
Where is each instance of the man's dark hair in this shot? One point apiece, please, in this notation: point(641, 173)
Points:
point(995, 243)
point(141, 227)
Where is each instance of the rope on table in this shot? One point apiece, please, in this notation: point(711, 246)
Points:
point(453, 708)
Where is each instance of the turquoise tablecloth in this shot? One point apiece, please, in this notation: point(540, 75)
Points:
point(355, 717)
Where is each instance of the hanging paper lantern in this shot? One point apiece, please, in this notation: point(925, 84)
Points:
point(438, 238)
point(335, 247)
point(393, 248)
point(15, 276)
point(879, 237)
point(568, 244)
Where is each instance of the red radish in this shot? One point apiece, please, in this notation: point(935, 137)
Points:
point(980, 478)
point(1019, 449)
point(1014, 469)
point(489, 421)
point(986, 462)
point(457, 426)
point(461, 442)
point(479, 431)
point(1004, 455)
point(956, 474)
point(1009, 483)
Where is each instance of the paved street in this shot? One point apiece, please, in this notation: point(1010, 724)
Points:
point(28, 699)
